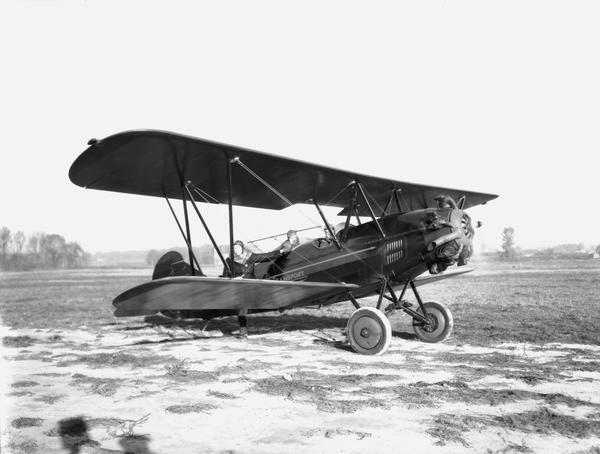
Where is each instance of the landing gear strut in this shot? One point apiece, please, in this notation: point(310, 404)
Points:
point(440, 323)
point(243, 321)
point(432, 321)
point(369, 331)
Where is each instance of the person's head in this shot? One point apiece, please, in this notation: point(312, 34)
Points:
point(292, 236)
point(238, 247)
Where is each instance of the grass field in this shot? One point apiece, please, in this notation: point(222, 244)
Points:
point(521, 373)
point(530, 301)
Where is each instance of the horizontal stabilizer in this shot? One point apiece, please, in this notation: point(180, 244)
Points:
point(206, 293)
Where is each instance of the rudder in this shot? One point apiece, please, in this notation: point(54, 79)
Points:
point(172, 264)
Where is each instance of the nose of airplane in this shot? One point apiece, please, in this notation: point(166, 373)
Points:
point(466, 240)
point(455, 247)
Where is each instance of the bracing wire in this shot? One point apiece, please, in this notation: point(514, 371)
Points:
point(286, 200)
point(258, 177)
point(204, 195)
point(201, 191)
point(373, 199)
point(337, 195)
point(274, 190)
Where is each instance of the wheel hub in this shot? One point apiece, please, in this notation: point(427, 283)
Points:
point(367, 332)
point(432, 325)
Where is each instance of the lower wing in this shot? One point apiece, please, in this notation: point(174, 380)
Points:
point(205, 293)
point(429, 278)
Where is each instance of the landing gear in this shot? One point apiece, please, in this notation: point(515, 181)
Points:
point(432, 321)
point(369, 331)
point(440, 323)
point(243, 322)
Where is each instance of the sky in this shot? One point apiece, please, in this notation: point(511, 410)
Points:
point(498, 97)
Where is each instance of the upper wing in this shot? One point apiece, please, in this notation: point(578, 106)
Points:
point(205, 293)
point(158, 163)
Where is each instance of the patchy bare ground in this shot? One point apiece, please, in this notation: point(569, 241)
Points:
point(521, 374)
point(294, 391)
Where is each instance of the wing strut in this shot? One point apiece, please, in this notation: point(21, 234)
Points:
point(397, 199)
point(212, 240)
point(230, 201)
point(393, 197)
point(364, 196)
point(327, 225)
point(351, 208)
point(187, 243)
point(187, 231)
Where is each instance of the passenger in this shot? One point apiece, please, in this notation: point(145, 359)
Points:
point(239, 266)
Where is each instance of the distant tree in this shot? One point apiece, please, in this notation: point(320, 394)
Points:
point(39, 250)
point(152, 257)
point(598, 250)
point(73, 256)
point(52, 248)
point(570, 248)
point(19, 241)
point(4, 242)
point(509, 250)
point(33, 243)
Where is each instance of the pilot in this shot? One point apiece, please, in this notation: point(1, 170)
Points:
point(326, 240)
point(286, 247)
point(291, 242)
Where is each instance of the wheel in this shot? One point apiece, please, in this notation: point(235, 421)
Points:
point(369, 331)
point(441, 323)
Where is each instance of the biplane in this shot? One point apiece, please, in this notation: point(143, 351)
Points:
point(392, 233)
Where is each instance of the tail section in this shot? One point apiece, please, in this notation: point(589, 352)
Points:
point(172, 264)
point(169, 265)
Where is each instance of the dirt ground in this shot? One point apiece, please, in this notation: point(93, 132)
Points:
point(143, 388)
point(153, 386)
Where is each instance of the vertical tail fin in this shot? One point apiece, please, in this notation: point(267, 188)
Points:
point(172, 264)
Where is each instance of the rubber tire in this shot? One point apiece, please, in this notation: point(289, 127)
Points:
point(379, 327)
point(440, 312)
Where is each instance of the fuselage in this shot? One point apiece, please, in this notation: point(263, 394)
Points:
point(414, 242)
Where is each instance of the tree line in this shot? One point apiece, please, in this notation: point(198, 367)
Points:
point(510, 251)
point(39, 251)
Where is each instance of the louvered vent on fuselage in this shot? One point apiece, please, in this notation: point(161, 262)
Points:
point(394, 251)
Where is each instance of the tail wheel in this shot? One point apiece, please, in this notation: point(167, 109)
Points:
point(172, 314)
point(440, 326)
point(369, 331)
